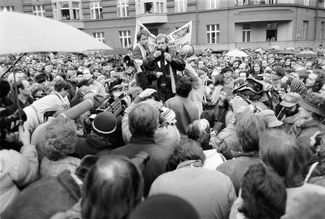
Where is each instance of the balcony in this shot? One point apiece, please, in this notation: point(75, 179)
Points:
point(150, 11)
point(262, 2)
point(75, 23)
point(253, 3)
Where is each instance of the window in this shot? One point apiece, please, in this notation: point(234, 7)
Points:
point(75, 11)
point(7, 8)
point(96, 10)
point(38, 10)
point(322, 29)
point(65, 10)
point(122, 8)
point(180, 5)
point(125, 38)
point(213, 34)
point(148, 7)
point(305, 26)
point(246, 32)
point(159, 6)
point(212, 4)
point(306, 2)
point(99, 36)
point(271, 32)
point(271, 2)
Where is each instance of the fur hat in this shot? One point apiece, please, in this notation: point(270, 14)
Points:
point(314, 102)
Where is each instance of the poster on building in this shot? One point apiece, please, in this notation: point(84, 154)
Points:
point(177, 38)
point(181, 36)
point(151, 40)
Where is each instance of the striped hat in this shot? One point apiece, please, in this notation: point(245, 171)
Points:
point(167, 115)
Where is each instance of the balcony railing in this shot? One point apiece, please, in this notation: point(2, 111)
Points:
point(262, 2)
point(151, 11)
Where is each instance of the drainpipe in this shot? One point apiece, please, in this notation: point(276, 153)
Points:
point(316, 16)
point(228, 28)
point(196, 24)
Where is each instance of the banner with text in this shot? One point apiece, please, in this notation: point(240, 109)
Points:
point(181, 36)
point(177, 38)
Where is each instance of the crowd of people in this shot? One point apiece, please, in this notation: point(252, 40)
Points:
point(161, 134)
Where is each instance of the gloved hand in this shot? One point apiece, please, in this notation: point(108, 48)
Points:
point(147, 93)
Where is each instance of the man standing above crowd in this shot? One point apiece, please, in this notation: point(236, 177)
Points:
point(164, 67)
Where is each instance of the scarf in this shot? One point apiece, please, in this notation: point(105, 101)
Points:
point(143, 51)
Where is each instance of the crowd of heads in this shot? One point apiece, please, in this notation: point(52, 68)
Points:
point(258, 121)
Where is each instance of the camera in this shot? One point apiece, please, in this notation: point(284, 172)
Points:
point(114, 105)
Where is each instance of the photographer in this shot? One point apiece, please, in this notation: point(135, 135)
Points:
point(10, 118)
point(315, 167)
point(57, 101)
point(167, 133)
point(17, 169)
point(24, 95)
point(100, 137)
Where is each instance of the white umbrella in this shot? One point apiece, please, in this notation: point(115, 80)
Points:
point(24, 33)
point(236, 53)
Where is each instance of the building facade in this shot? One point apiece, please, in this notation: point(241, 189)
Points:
point(217, 24)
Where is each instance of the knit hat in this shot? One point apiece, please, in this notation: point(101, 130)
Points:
point(104, 123)
point(298, 86)
point(269, 118)
point(167, 115)
point(164, 206)
point(279, 71)
point(314, 102)
point(290, 100)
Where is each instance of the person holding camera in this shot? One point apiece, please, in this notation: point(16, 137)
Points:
point(18, 169)
point(55, 102)
point(164, 67)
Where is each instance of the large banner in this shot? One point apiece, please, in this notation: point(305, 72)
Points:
point(181, 36)
point(177, 38)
